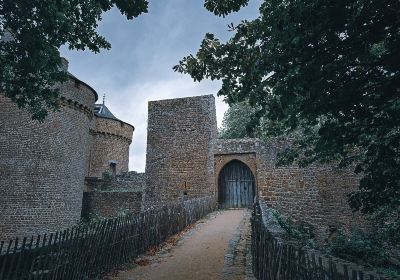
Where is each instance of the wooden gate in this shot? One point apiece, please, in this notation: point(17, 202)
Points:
point(236, 185)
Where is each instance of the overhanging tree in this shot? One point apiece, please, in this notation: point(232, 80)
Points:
point(30, 63)
point(328, 71)
point(237, 122)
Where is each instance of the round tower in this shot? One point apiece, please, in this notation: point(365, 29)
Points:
point(43, 165)
point(111, 137)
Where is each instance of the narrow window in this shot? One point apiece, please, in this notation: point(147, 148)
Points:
point(77, 84)
point(113, 168)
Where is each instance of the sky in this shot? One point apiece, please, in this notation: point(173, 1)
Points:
point(138, 68)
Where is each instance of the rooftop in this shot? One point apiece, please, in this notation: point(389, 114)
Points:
point(101, 110)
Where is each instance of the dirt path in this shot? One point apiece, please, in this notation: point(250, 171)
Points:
point(238, 260)
point(198, 255)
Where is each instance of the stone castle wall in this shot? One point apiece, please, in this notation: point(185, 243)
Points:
point(111, 197)
point(43, 165)
point(179, 159)
point(184, 156)
point(316, 194)
point(127, 181)
point(110, 204)
point(110, 140)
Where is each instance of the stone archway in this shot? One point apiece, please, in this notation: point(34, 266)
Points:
point(236, 185)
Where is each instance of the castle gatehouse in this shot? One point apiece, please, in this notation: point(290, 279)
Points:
point(76, 164)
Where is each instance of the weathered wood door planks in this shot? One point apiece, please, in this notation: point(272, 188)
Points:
point(236, 185)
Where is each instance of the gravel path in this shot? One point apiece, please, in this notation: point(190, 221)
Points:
point(238, 261)
point(199, 254)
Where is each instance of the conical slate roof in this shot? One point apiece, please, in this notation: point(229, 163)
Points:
point(102, 111)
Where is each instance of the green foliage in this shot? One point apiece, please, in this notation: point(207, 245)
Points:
point(327, 72)
point(92, 219)
point(391, 272)
point(358, 246)
point(96, 217)
point(224, 7)
point(373, 249)
point(387, 224)
point(122, 212)
point(237, 121)
point(106, 176)
point(30, 63)
point(302, 232)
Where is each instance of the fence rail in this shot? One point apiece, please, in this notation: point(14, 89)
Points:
point(85, 253)
point(276, 259)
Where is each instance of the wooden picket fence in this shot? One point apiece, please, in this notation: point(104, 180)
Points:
point(276, 259)
point(88, 252)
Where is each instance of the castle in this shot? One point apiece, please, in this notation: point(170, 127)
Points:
point(44, 165)
point(76, 164)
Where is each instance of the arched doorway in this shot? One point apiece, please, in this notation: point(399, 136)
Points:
point(236, 185)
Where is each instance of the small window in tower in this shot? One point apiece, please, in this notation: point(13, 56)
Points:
point(77, 84)
point(113, 168)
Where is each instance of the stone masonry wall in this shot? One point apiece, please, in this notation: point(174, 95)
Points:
point(179, 159)
point(316, 194)
point(110, 204)
point(244, 150)
point(43, 165)
point(132, 180)
point(113, 196)
point(110, 143)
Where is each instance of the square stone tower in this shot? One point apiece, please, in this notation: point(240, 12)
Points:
point(179, 162)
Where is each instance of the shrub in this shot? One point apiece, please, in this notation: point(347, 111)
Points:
point(302, 232)
point(359, 246)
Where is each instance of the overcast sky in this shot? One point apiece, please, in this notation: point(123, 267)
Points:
point(138, 68)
